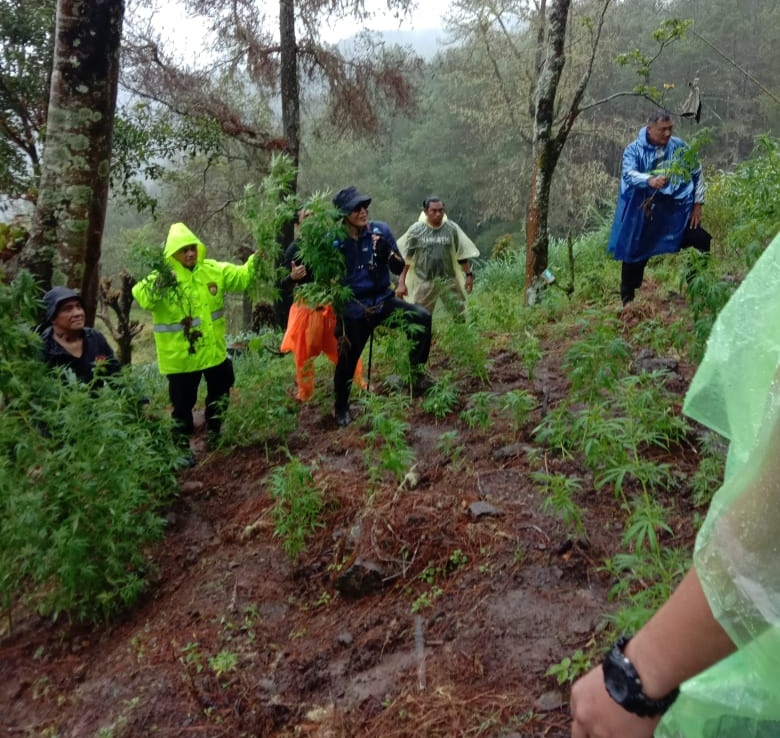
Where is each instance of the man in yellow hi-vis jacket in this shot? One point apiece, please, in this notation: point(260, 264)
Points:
point(188, 310)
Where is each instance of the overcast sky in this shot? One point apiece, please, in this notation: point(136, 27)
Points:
point(427, 15)
point(187, 33)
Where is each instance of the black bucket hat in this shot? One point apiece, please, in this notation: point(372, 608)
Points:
point(55, 297)
point(348, 199)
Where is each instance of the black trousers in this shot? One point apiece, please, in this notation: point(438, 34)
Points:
point(632, 273)
point(183, 393)
point(355, 332)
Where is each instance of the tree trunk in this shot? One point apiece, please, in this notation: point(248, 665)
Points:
point(121, 302)
point(67, 227)
point(291, 120)
point(547, 147)
point(290, 87)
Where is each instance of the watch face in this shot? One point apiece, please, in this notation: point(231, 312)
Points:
point(624, 686)
point(615, 680)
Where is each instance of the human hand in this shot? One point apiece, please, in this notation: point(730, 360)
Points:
point(596, 715)
point(381, 248)
point(695, 221)
point(658, 181)
point(297, 272)
point(401, 290)
point(165, 278)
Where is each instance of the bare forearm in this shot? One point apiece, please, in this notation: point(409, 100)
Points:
point(679, 641)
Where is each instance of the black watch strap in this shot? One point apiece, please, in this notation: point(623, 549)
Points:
point(623, 684)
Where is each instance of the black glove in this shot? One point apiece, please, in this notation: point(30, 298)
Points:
point(382, 249)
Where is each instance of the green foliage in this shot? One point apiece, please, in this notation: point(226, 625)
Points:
point(707, 295)
point(708, 476)
point(503, 247)
point(647, 518)
point(147, 140)
point(223, 663)
point(13, 236)
point(600, 358)
point(441, 399)
point(165, 286)
point(477, 412)
point(613, 418)
point(20, 309)
point(742, 206)
point(298, 503)
point(426, 600)
point(84, 477)
point(644, 579)
point(465, 347)
point(744, 216)
point(265, 209)
point(560, 491)
point(652, 333)
point(320, 233)
point(670, 31)
point(570, 667)
point(497, 302)
point(433, 573)
point(392, 344)
point(26, 57)
point(386, 446)
point(518, 405)
point(450, 447)
point(193, 656)
point(685, 160)
point(531, 351)
point(264, 411)
point(595, 278)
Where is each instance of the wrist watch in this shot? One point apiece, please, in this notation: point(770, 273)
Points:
point(623, 685)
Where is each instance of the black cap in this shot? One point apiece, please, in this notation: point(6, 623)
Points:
point(348, 199)
point(55, 297)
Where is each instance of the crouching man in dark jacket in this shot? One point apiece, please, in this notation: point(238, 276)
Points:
point(69, 343)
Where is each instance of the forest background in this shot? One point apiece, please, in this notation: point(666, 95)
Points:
point(90, 486)
point(198, 137)
point(195, 127)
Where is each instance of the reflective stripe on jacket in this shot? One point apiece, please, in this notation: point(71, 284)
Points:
point(189, 319)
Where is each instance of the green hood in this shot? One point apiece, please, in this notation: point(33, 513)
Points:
point(180, 236)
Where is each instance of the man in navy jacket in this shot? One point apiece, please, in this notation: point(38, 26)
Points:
point(370, 253)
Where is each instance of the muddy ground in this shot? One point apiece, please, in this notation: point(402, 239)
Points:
point(463, 607)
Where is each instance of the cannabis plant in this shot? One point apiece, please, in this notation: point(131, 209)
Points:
point(265, 209)
point(298, 503)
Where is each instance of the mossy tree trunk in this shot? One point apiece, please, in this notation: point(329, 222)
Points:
point(548, 143)
point(67, 227)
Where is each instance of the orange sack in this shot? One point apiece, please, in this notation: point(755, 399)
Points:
point(311, 332)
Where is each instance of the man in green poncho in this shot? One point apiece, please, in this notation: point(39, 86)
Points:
point(437, 254)
point(711, 654)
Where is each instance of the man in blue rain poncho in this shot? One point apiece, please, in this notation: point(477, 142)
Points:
point(660, 202)
point(718, 636)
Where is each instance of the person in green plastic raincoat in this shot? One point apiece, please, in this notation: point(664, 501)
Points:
point(188, 310)
point(718, 636)
point(437, 254)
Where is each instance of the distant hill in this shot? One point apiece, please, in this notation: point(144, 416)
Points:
point(425, 42)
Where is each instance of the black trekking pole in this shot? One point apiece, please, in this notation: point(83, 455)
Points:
point(370, 356)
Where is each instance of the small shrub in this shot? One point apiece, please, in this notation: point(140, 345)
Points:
point(297, 505)
point(441, 399)
point(386, 439)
